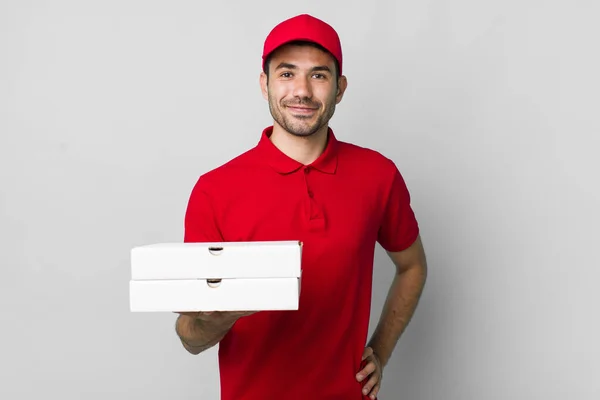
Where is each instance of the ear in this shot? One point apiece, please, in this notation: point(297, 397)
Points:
point(263, 85)
point(342, 85)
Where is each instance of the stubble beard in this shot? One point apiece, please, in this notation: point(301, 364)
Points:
point(299, 125)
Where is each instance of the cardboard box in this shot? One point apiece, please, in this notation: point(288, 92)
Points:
point(229, 276)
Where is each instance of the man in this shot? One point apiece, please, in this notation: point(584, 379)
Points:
point(301, 183)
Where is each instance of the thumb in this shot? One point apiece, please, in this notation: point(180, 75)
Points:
point(367, 352)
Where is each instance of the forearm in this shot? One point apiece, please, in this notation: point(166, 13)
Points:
point(398, 309)
point(197, 336)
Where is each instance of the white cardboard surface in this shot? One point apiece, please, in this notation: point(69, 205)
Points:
point(251, 276)
point(230, 295)
point(216, 260)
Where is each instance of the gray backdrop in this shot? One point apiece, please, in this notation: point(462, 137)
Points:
point(109, 111)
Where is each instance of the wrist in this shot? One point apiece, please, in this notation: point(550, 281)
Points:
point(188, 331)
point(196, 333)
point(379, 359)
point(378, 353)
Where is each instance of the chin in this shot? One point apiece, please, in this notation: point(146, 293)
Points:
point(303, 131)
point(302, 134)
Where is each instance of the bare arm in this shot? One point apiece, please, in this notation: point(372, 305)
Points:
point(401, 301)
point(201, 331)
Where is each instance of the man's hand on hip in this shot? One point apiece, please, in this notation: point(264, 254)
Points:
point(372, 370)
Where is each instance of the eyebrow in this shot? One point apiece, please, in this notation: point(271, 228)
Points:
point(292, 66)
point(286, 65)
point(322, 68)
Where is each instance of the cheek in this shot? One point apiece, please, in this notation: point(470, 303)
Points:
point(277, 94)
point(326, 96)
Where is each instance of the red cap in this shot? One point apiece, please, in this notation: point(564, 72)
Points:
point(307, 28)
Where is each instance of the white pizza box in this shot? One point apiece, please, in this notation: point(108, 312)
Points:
point(218, 276)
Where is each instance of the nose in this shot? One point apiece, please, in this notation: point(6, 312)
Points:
point(302, 88)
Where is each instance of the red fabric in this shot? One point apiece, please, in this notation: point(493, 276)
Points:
point(308, 28)
point(339, 207)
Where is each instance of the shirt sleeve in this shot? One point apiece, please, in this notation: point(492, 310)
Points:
point(399, 228)
point(200, 218)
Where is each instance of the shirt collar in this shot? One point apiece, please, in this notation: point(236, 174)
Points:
point(326, 162)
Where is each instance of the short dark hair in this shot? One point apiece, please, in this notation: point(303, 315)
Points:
point(303, 43)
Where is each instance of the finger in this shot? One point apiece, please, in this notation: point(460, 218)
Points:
point(207, 315)
point(370, 384)
point(375, 391)
point(366, 371)
point(242, 313)
point(366, 353)
point(186, 313)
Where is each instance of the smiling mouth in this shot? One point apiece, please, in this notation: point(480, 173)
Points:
point(302, 110)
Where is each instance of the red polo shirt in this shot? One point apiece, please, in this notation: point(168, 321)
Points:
point(339, 206)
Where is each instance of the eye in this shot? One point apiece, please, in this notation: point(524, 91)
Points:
point(319, 76)
point(286, 75)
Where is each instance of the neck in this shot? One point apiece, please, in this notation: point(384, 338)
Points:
point(304, 149)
